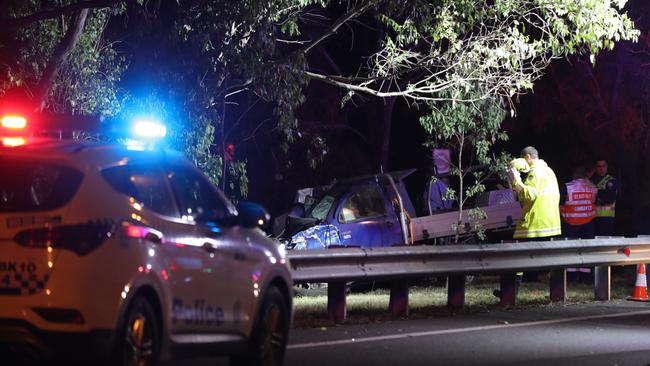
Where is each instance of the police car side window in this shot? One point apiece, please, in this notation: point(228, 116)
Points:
point(146, 184)
point(197, 197)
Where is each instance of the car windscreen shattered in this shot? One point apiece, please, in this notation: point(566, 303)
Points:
point(33, 185)
point(321, 209)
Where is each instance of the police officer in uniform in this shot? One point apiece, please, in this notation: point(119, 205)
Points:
point(606, 199)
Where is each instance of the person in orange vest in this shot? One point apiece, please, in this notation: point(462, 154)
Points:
point(578, 210)
point(606, 199)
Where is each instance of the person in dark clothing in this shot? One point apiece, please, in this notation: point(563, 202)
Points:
point(606, 199)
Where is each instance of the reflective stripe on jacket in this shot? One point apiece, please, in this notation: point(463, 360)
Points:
point(540, 198)
point(605, 210)
point(579, 207)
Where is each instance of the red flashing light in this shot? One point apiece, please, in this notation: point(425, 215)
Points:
point(14, 122)
point(136, 231)
point(627, 251)
point(13, 141)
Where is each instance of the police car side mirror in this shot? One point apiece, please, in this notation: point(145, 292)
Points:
point(250, 214)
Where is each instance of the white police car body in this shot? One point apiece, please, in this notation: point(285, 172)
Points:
point(131, 256)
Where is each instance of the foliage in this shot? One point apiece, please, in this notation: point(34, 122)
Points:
point(469, 130)
point(216, 58)
point(87, 83)
point(451, 49)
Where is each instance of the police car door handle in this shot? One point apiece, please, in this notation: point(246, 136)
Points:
point(209, 248)
point(153, 237)
point(239, 256)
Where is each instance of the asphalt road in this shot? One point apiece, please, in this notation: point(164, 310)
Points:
point(605, 333)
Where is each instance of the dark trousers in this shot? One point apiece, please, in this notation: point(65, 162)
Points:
point(604, 226)
point(584, 231)
point(533, 276)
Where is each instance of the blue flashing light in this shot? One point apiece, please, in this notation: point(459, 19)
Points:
point(149, 129)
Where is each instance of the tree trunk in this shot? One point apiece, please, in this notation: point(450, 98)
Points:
point(387, 123)
point(60, 54)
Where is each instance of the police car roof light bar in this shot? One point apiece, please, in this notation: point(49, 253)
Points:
point(14, 122)
point(149, 128)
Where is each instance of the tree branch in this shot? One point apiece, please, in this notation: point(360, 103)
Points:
point(59, 55)
point(10, 24)
point(334, 27)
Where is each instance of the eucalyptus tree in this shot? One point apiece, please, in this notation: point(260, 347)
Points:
point(437, 51)
point(56, 56)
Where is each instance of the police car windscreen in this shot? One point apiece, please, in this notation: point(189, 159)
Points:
point(32, 185)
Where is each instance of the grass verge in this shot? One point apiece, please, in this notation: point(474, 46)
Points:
point(429, 301)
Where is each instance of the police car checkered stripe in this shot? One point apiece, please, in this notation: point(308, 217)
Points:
point(25, 284)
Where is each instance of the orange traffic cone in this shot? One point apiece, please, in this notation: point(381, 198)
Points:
point(640, 292)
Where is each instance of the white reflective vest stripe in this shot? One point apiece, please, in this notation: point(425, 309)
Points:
point(579, 207)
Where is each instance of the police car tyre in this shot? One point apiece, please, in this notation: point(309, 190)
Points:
point(269, 337)
point(138, 341)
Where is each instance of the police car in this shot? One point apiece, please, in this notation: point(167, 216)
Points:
point(128, 255)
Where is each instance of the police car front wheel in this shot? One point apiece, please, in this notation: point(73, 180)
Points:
point(269, 338)
point(139, 338)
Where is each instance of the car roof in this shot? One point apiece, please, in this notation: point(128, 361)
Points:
point(100, 152)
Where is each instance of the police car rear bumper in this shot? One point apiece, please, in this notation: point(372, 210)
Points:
point(21, 343)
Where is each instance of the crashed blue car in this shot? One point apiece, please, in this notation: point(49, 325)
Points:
point(361, 212)
point(376, 211)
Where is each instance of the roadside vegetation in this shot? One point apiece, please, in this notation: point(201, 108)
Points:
point(431, 301)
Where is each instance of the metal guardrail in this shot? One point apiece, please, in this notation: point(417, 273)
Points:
point(337, 266)
point(354, 264)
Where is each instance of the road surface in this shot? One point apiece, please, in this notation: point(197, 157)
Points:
point(602, 333)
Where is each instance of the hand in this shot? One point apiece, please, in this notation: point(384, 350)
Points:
point(514, 177)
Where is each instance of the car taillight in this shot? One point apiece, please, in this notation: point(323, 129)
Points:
point(81, 239)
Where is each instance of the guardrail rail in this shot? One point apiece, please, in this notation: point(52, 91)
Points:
point(400, 264)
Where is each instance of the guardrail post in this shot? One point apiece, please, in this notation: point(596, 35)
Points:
point(602, 283)
point(336, 310)
point(558, 284)
point(508, 289)
point(398, 304)
point(456, 292)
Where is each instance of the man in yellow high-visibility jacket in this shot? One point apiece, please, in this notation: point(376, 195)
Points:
point(539, 196)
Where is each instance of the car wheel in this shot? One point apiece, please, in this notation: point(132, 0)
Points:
point(269, 338)
point(139, 340)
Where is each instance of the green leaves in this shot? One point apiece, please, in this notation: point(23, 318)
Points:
point(469, 130)
point(87, 82)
